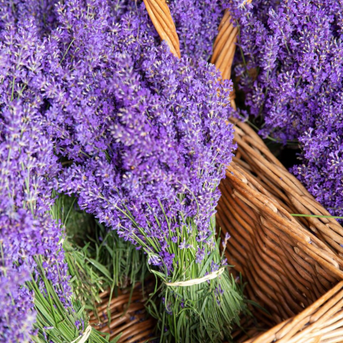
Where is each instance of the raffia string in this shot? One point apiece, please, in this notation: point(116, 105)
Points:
point(84, 337)
point(192, 282)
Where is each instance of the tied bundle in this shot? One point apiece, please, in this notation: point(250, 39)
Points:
point(146, 141)
point(29, 237)
point(36, 299)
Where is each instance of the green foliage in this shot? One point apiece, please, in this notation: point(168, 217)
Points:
point(95, 266)
point(85, 281)
point(100, 259)
point(204, 312)
point(117, 260)
point(315, 216)
point(199, 313)
point(118, 263)
point(54, 322)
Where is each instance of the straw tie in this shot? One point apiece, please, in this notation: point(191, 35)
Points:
point(192, 282)
point(84, 337)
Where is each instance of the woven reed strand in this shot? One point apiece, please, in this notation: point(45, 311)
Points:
point(132, 322)
point(160, 16)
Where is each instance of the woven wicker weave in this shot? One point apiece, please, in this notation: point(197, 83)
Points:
point(159, 13)
point(287, 266)
point(320, 322)
point(127, 313)
point(288, 262)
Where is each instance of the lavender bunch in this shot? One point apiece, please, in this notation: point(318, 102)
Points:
point(27, 166)
point(145, 142)
point(295, 48)
point(56, 322)
point(139, 124)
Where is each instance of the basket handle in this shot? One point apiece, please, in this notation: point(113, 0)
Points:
point(224, 46)
point(160, 16)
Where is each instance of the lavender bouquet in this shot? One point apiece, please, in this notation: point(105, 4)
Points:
point(27, 164)
point(37, 303)
point(146, 141)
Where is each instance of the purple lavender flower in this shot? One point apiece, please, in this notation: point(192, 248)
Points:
point(143, 136)
point(17, 317)
point(296, 47)
point(196, 23)
point(200, 255)
point(142, 130)
point(27, 165)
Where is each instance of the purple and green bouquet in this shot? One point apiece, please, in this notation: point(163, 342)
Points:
point(27, 165)
point(37, 303)
point(147, 141)
point(93, 105)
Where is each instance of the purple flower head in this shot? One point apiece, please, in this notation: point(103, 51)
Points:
point(174, 239)
point(200, 255)
point(296, 47)
point(184, 245)
point(144, 132)
point(196, 24)
point(27, 166)
point(224, 242)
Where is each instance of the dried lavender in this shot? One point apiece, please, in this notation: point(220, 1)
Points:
point(139, 132)
point(140, 124)
point(146, 143)
point(296, 49)
point(27, 165)
point(199, 300)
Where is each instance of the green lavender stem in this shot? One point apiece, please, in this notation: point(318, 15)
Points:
point(204, 312)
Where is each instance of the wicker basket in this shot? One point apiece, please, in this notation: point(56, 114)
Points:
point(127, 313)
point(288, 262)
